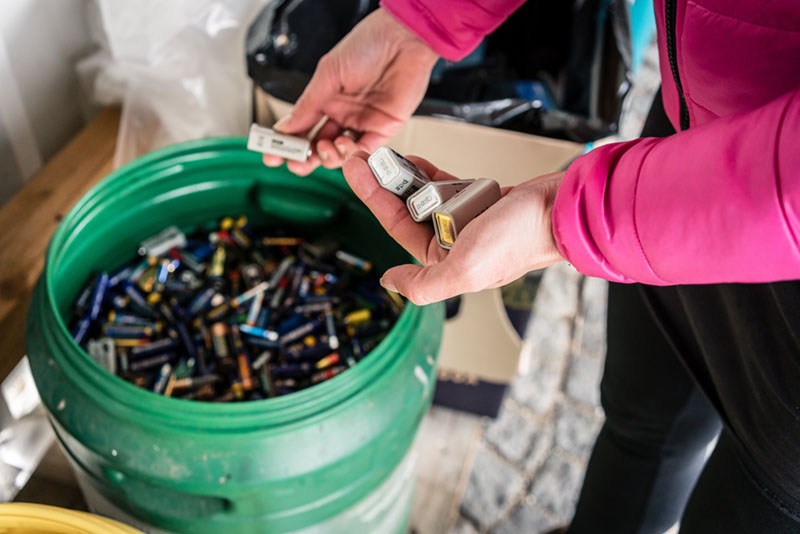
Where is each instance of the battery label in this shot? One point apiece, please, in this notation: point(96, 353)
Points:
point(268, 141)
point(386, 169)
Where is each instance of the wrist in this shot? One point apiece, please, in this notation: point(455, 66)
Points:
point(404, 37)
point(546, 188)
point(550, 198)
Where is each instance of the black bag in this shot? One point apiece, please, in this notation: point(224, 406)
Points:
point(558, 69)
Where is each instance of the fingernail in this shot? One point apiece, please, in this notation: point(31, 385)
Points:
point(283, 122)
point(271, 163)
point(341, 148)
point(388, 285)
point(322, 154)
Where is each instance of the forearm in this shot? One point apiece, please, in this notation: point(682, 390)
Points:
point(716, 203)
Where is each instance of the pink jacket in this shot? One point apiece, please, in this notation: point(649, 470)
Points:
point(719, 202)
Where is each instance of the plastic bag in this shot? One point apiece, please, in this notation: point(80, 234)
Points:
point(177, 68)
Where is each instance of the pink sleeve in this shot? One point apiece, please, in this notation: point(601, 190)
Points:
point(716, 203)
point(452, 28)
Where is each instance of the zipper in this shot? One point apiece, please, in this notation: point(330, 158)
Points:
point(670, 16)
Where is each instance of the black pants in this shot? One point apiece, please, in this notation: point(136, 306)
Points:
point(685, 365)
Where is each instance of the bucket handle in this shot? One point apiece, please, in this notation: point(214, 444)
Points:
point(297, 205)
point(164, 502)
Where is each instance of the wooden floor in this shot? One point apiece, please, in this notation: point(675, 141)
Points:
point(446, 444)
point(29, 219)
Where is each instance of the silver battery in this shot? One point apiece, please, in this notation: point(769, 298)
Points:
point(432, 195)
point(269, 141)
point(161, 243)
point(103, 351)
point(452, 216)
point(395, 173)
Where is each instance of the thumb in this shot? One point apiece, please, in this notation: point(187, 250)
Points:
point(424, 285)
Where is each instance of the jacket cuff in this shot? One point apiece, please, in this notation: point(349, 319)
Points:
point(594, 229)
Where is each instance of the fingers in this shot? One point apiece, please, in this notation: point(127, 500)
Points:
point(331, 149)
point(300, 168)
point(430, 169)
point(308, 111)
point(424, 285)
point(371, 140)
point(390, 210)
point(272, 161)
point(333, 153)
point(304, 168)
point(345, 146)
point(328, 155)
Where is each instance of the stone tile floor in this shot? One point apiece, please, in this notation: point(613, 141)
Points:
point(530, 462)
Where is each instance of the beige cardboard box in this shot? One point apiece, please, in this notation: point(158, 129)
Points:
point(480, 349)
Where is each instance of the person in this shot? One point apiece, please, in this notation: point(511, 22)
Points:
point(697, 230)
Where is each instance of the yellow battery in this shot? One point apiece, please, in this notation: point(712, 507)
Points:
point(170, 385)
point(281, 241)
point(217, 269)
point(328, 360)
point(358, 317)
point(148, 279)
point(124, 342)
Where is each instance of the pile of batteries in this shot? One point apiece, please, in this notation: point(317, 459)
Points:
point(231, 312)
point(451, 204)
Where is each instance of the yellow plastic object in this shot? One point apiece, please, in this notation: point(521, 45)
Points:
point(25, 518)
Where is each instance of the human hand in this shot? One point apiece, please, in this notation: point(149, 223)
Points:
point(511, 238)
point(369, 83)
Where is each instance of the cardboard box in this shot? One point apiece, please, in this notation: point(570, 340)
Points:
point(480, 350)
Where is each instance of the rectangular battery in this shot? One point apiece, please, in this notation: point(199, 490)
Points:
point(269, 141)
point(395, 173)
point(432, 195)
point(451, 218)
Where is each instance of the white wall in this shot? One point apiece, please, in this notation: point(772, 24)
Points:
point(41, 105)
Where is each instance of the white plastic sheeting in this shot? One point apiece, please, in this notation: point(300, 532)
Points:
point(177, 67)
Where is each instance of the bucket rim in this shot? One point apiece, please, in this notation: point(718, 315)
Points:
point(131, 401)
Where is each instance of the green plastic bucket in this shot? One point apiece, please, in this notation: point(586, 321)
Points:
point(332, 458)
